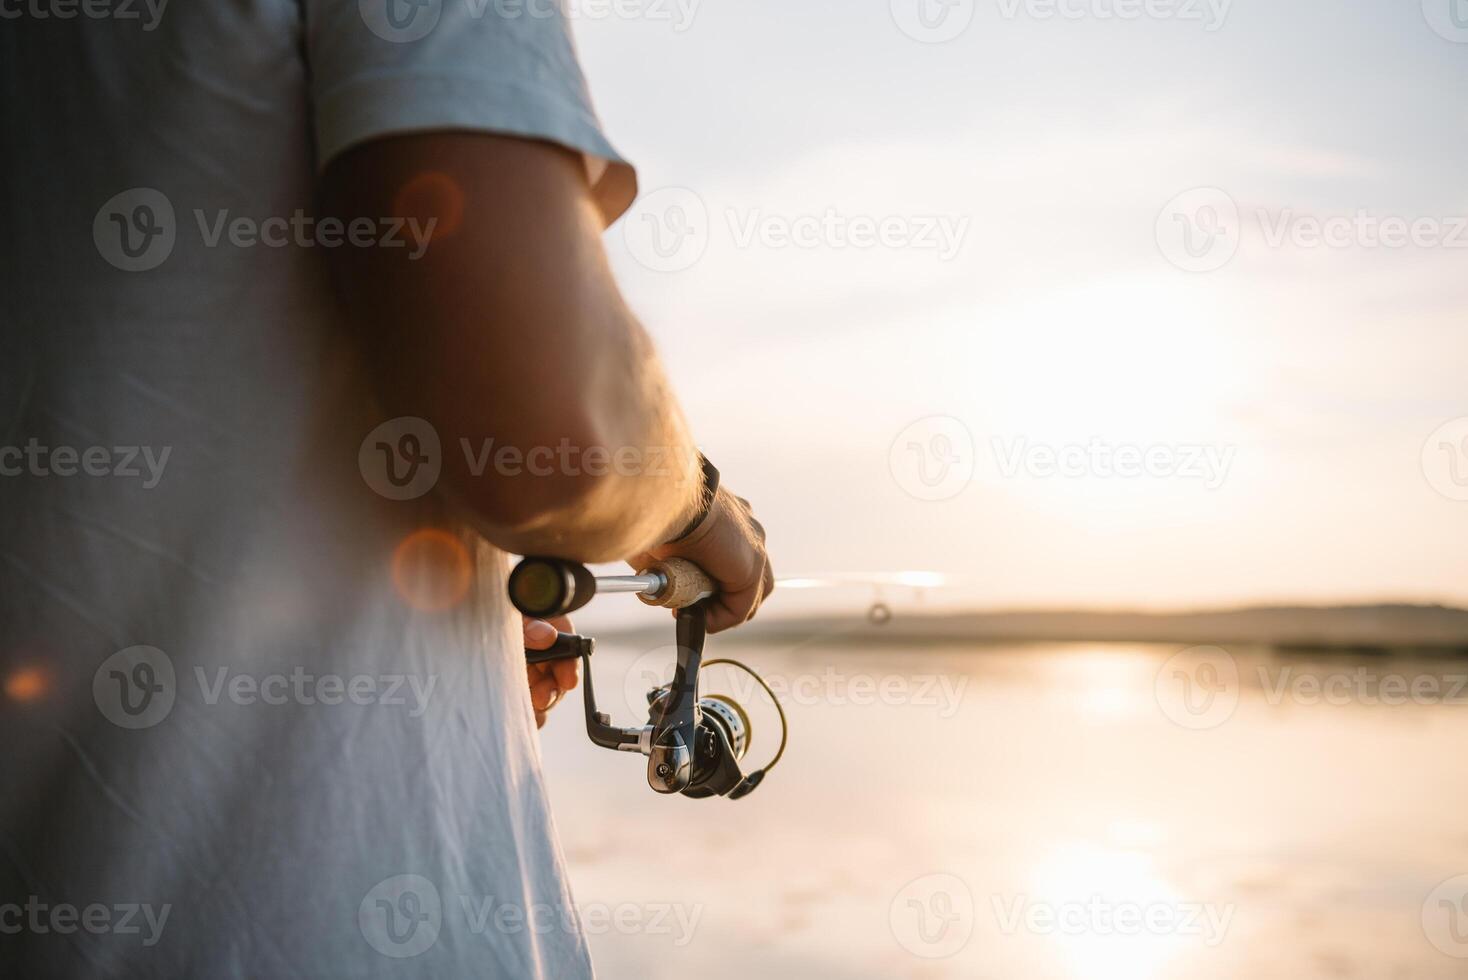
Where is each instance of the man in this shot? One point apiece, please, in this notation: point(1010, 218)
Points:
point(307, 323)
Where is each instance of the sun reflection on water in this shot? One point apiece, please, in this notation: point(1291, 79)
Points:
point(1108, 683)
point(1091, 891)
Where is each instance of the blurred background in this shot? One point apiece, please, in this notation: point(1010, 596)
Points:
point(1136, 329)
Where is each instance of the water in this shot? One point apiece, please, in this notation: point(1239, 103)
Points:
point(1038, 812)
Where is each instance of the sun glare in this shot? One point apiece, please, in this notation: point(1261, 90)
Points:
point(1136, 359)
point(1090, 885)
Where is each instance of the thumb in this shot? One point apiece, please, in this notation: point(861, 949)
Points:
point(539, 635)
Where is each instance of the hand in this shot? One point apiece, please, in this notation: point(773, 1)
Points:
point(730, 546)
point(548, 681)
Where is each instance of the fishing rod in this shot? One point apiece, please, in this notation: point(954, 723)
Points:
point(878, 613)
point(693, 743)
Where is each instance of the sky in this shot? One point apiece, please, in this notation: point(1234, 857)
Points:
point(1088, 302)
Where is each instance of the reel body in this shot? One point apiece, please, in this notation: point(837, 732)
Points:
point(693, 744)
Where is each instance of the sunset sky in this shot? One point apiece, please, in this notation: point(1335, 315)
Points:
point(1027, 283)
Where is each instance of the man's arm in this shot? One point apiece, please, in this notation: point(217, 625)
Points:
point(510, 326)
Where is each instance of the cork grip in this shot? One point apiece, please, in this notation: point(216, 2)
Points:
point(687, 583)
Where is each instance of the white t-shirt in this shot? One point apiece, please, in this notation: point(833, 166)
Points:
point(241, 738)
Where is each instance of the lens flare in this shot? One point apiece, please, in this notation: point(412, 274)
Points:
point(26, 684)
point(431, 570)
point(432, 196)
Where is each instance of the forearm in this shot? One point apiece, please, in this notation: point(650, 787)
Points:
point(508, 334)
point(636, 484)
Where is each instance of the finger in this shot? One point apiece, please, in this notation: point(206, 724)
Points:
point(720, 619)
point(543, 693)
point(540, 717)
point(562, 623)
point(539, 635)
point(732, 609)
point(736, 604)
point(759, 592)
point(567, 673)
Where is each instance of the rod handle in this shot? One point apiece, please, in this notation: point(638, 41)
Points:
point(686, 583)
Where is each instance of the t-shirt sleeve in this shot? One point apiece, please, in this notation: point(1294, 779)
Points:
point(380, 67)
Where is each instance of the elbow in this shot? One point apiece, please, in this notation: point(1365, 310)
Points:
point(531, 486)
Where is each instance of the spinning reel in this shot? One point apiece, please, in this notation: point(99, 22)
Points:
point(693, 744)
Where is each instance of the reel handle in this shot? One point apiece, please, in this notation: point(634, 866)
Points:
point(567, 645)
point(686, 584)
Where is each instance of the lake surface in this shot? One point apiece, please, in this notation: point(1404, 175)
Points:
point(1035, 811)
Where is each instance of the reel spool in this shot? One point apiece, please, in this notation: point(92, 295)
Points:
point(729, 716)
